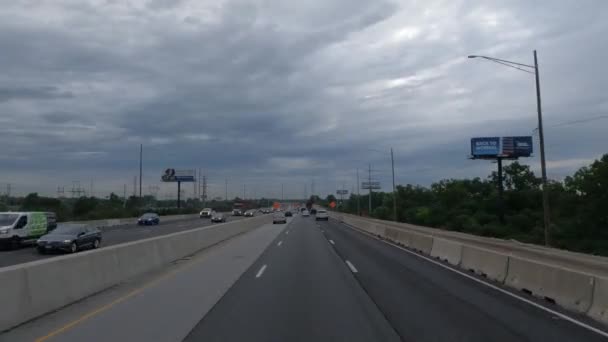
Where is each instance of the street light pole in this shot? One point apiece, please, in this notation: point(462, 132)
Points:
point(369, 214)
point(394, 192)
point(358, 195)
point(543, 165)
point(541, 136)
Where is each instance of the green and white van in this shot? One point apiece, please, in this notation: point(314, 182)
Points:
point(19, 227)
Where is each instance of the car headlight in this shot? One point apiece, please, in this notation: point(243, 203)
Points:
point(67, 241)
point(4, 231)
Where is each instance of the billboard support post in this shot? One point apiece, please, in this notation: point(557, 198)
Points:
point(499, 149)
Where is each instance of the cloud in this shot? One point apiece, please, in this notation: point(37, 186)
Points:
point(265, 93)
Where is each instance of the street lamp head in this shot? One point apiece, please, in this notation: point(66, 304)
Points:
point(473, 56)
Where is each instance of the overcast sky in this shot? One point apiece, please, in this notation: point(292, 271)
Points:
point(265, 93)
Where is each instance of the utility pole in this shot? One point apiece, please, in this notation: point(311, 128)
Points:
point(141, 154)
point(134, 186)
point(358, 195)
point(543, 165)
point(541, 134)
point(312, 187)
point(91, 189)
point(394, 189)
point(369, 214)
point(124, 196)
point(226, 196)
point(204, 191)
point(282, 194)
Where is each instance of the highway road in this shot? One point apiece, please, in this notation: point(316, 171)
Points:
point(112, 236)
point(308, 281)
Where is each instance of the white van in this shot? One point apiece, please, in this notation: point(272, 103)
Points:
point(19, 227)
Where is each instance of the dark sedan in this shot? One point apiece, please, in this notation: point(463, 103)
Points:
point(69, 238)
point(288, 214)
point(218, 218)
point(148, 219)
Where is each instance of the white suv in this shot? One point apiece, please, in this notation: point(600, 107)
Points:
point(206, 213)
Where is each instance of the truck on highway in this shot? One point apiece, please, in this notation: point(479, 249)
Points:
point(17, 228)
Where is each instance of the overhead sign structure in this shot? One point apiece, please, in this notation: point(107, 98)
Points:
point(505, 147)
point(370, 185)
point(173, 175)
point(342, 192)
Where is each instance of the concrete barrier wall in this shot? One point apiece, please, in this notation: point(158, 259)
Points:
point(568, 288)
point(447, 250)
point(421, 243)
point(35, 288)
point(580, 290)
point(485, 262)
point(599, 306)
point(131, 220)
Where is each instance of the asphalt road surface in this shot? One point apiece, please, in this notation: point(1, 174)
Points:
point(112, 236)
point(328, 282)
point(309, 281)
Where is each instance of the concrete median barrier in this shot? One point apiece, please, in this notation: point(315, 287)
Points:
point(447, 250)
point(599, 306)
point(32, 289)
point(391, 234)
point(490, 264)
point(421, 243)
point(570, 289)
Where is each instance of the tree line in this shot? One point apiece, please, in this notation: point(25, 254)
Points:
point(95, 208)
point(579, 206)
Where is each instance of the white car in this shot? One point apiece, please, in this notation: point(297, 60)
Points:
point(206, 213)
point(305, 213)
point(321, 215)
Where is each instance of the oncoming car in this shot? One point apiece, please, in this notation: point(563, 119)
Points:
point(206, 213)
point(148, 219)
point(218, 217)
point(69, 238)
point(250, 213)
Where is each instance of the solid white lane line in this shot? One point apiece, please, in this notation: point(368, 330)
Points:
point(332, 242)
point(508, 293)
point(351, 266)
point(261, 271)
point(280, 243)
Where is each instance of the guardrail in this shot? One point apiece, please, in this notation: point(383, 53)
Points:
point(572, 280)
point(35, 288)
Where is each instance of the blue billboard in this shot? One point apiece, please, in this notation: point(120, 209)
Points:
point(485, 147)
point(515, 147)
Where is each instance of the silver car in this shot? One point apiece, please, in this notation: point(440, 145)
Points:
point(278, 218)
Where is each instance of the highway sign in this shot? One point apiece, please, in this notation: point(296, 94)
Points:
point(342, 192)
point(370, 185)
point(173, 175)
